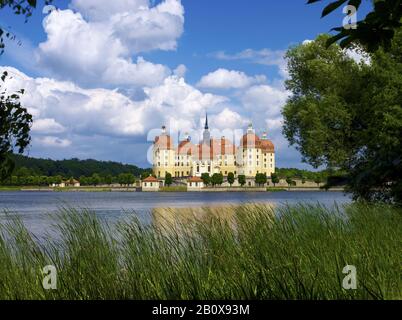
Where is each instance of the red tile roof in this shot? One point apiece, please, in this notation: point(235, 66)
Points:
point(150, 179)
point(164, 142)
point(185, 147)
point(195, 179)
point(250, 140)
point(267, 146)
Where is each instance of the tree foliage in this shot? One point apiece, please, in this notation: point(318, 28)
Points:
point(15, 124)
point(19, 7)
point(73, 167)
point(274, 179)
point(348, 115)
point(231, 178)
point(217, 179)
point(125, 179)
point(261, 179)
point(168, 179)
point(206, 178)
point(377, 29)
point(242, 179)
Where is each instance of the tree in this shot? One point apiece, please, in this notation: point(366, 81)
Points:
point(274, 178)
point(96, 179)
point(108, 179)
point(168, 179)
point(242, 179)
point(231, 178)
point(121, 179)
point(58, 179)
point(206, 178)
point(348, 115)
point(318, 180)
point(217, 179)
point(289, 181)
point(377, 29)
point(15, 124)
point(126, 179)
point(260, 179)
point(130, 178)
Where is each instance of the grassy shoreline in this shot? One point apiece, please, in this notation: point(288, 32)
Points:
point(162, 189)
point(245, 252)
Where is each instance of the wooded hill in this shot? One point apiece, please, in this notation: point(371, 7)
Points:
point(73, 167)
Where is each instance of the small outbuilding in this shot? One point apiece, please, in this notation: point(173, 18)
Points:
point(195, 184)
point(72, 183)
point(150, 184)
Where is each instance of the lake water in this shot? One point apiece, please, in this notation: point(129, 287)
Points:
point(35, 207)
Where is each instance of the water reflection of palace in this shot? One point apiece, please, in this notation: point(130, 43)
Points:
point(167, 218)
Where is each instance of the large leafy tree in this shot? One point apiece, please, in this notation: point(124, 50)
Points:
point(377, 29)
point(15, 123)
point(348, 115)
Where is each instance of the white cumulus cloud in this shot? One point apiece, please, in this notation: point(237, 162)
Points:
point(47, 125)
point(64, 110)
point(228, 79)
point(93, 42)
point(265, 98)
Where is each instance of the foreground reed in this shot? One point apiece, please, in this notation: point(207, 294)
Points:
point(246, 252)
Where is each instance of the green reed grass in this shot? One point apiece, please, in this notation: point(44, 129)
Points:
point(245, 252)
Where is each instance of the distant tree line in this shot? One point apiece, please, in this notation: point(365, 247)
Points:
point(74, 167)
point(43, 172)
point(25, 177)
point(288, 174)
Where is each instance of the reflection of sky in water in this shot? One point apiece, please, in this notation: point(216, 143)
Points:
point(36, 208)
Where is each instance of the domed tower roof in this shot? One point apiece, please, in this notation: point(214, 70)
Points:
point(250, 139)
point(164, 141)
point(266, 144)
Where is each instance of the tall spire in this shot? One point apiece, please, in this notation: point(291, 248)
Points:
point(206, 135)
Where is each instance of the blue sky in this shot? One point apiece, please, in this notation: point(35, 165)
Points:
point(100, 81)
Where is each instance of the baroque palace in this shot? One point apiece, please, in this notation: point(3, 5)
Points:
point(253, 155)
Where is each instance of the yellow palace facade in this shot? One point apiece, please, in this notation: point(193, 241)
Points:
point(253, 155)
